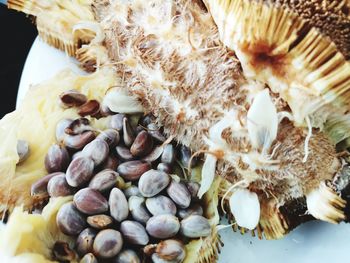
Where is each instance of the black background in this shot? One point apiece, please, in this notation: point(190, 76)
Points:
point(17, 35)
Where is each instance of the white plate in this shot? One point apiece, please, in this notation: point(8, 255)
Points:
point(312, 242)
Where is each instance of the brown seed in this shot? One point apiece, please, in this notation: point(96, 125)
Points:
point(69, 220)
point(193, 188)
point(97, 150)
point(58, 186)
point(22, 150)
point(124, 153)
point(118, 205)
point(90, 201)
point(132, 170)
point(108, 243)
point(88, 258)
point(62, 251)
point(100, 221)
point(60, 129)
point(160, 205)
point(72, 98)
point(134, 233)
point(127, 256)
point(153, 182)
point(132, 190)
point(104, 180)
point(154, 154)
point(138, 209)
point(116, 122)
point(154, 131)
point(142, 144)
point(195, 209)
point(39, 188)
point(91, 107)
point(56, 159)
point(111, 162)
point(79, 171)
point(164, 167)
point(78, 126)
point(179, 193)
point(172, 250)
point(168, 155)
point(128, 133)
point(85, 241)
point(77, 142)
point(163, 226)
point(105, 110)
point(110, 136)
point(195, 226)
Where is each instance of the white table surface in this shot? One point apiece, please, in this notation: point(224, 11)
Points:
point(317, 242)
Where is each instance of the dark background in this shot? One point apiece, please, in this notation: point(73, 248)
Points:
point(17, 35)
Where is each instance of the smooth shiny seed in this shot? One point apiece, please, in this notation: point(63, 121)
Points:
point(168, 155)
point(154, 154)
point(97, 150)
point(157, 259)
point(91, 107)
point(142, 144)
point(62, 251)
point(160, 205)
point(58, 186)
point(111, 162)
point(60, 129)
point(154, 131)
point(195, 209)
point(193, 188)
point(164, 167)
point(134, 233)
point(127, 256)
point(132, 190)
point(79, 171)
point(116, 122)
point(195, 226)
point(88, 258)
point(90, 201)
point(72, 98)
point(107, 243)
point(104, 180)
point(124, 153)
point(138, 209)
point(132, 170)
point(163, 226)
point(22, 150)
point(110, 136)
point(146, 120)
point(39, 188)
point(185, 157)
point(153, 182)
point(69, 220)
point(100, 221)
point(85, 241)
point(118, 205)
point(78, 126)
point(128, 133)
point(171, 249)
point(56, 159)
point(179, 193)
point(77, 142)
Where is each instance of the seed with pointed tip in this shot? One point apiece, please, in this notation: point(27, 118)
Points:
point(160, 205)
point(132, 190)
point(79, 171)
point(179, 193)
point(77, 142)
point(100, 221)
point(172, 250)
point(78, 126)
point(111, 162)
point(132, 170)
point(118, 205)
point(72, 98)
point(110, 136)
point(153, 182)
point(90, 201)
point(138, 209)
point(128, 133)
point(60, 129)
point(107, 243)
point(134, 232)
point(105, 110)
point(164, 167)
point(193, 188)
point(85, 241)
point(154, 131)
point(91, 107)
point(97, 150)
point(195, 209)
point(88, 258)
point(69, 220)
point(124, 153)
point(116, 122)
point(58, 186)
point(127, 256)
point(62, 251)
point(154, 154)
point(104, 180)
point(39, 188)
point(56, 159)
point(195, 226)
point(142, 144)
point(168, 155)
point(163, 226)
point(22, 150)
